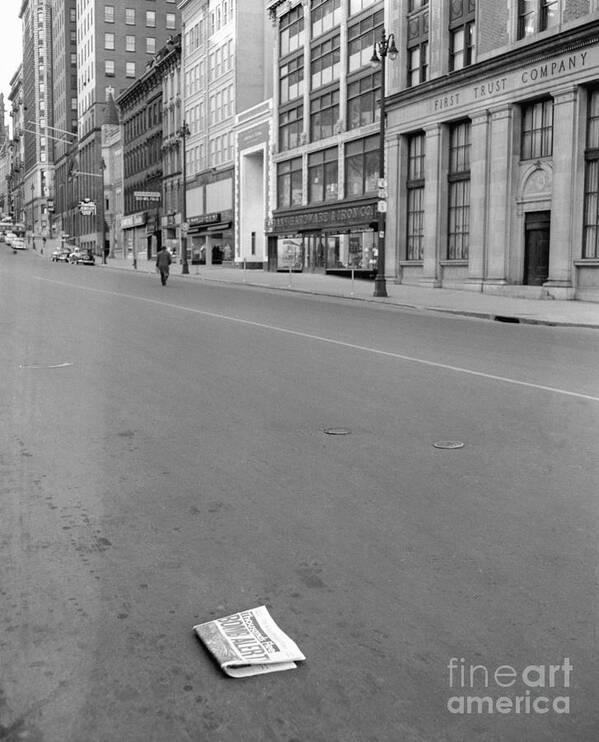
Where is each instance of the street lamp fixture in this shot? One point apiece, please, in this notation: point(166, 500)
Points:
point(183, 133)
point(382, 49)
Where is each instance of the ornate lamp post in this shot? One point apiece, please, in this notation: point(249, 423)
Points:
point(184, 132)
point(383, 48)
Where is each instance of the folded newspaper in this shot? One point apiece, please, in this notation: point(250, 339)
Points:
point(249, 643)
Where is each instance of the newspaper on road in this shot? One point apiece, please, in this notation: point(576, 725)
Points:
point(249, 643)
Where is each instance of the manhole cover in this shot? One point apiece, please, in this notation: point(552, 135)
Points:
point(448, 444)
point(337, 431)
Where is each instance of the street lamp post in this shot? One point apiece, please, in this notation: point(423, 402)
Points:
point(183, 133)
point(386, 46)
point(32, 218)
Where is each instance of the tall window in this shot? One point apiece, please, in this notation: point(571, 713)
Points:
point(355, 6)
point(108, 14)
point(291, 31)
point(458, 233)
point(291, 124)
point(361, 38)
point(591, 186)
point(291, 84)
point(461, 34)
point(415, 188)
point(130, 43)
point(537, 130)
point(129, 69)
point(130, 16)
point(537, 15)
point(326, 14)
point(324, 114)
point(326, 61)
point(171, 20)
point(108, 41)
point(289, 183)
point(361, 166)
point(363, 101)
point(323, 175)
point(109, 67)
point(151, 18)
point(418, 51)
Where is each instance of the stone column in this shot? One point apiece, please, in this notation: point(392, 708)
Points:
point(478, 197)
point(433, 169)
point(392, 169)
point(565, 124)
point(500, 178)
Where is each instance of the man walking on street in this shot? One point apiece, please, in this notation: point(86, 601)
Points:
point(163, 261)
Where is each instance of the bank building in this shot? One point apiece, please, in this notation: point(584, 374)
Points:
point(491, 134)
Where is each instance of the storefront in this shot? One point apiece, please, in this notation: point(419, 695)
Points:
point(335, 239)
point(134, 235)
point(210, 238)
point(170, 232)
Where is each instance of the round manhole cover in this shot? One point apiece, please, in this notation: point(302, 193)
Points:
point(337, 431)
point(448, 444)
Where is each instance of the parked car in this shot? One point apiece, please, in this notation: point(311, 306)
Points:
point(61, 255)
point(9, 237)
point(82, 257)
point(18, 243)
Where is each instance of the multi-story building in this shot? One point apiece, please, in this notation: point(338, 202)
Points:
point(38, 106)
point(326, 162)
point(112, 157)
point(63, 204)
point(16, 206)
point(224, 71)
point(493, 146)
point(114, 43)
point(169, 68)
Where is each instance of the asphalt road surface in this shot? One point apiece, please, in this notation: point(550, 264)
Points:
point(163, 462)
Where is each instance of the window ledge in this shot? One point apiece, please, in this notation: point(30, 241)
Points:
point(453, 262)
point(587, 263)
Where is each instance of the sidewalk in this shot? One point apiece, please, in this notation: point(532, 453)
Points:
point(465, 303)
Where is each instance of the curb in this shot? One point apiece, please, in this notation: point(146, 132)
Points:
point(388, 301)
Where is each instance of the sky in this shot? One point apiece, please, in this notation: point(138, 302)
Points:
point(10, 47)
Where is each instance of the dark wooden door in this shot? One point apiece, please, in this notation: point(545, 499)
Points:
point(536, 250)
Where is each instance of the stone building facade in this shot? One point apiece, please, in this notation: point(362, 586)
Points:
point(492, 146)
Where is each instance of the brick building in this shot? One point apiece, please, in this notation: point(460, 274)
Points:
point(492, 146)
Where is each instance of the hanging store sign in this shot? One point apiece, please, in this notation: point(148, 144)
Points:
point(146, 195)
point(87, 207)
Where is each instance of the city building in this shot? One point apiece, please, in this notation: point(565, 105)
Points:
point(112, 157)
point(225, 67)
point(492, 145)
point(37, 82)
point(168, 66)
point(326, 136)
point(141, 116)
point(114, 43)
point(16, 195)
point(63, 203)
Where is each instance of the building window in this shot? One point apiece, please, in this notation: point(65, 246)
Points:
point(537, 15)
point(355, 6)
point(415, 190)
point(150, 45)
point(361, 166)
point(291, 33)
point(108, 41)
point(129, 69)
point(109, 67)
point(591, 185)
point(461, 34)
point(171, 21)
point(108, 14)
point(291, 124)
point(150, 19)
point(326, 14)
point(130, 16)
point(289, 183)
point(323, 176)
point(291, 80)
point(361, 38)
point(363, 101)
point(130, 43)
point(537, 130)
point(418, 51)
point(324, 114)
point(458, 233)
point(326, 61)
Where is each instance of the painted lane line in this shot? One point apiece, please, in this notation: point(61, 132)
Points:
point(44, 365)
point(332, 341)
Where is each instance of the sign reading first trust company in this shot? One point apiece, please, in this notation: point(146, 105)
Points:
point(573, 64)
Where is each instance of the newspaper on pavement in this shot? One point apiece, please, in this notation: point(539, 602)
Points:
point(249, 643)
